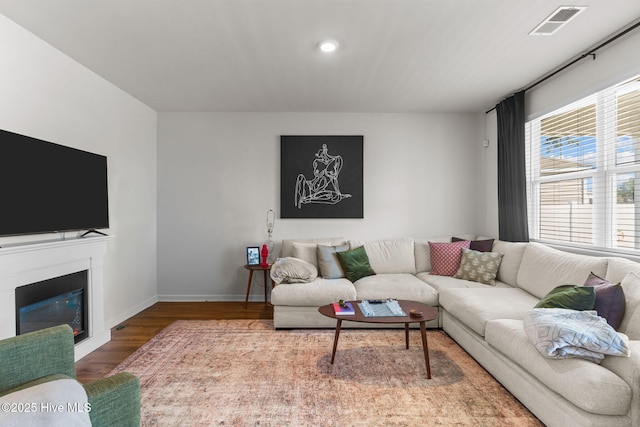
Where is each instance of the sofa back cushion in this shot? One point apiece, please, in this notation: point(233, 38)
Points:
point(513, 252)
point(618, 268)
point(391, 256)
point(631, 320)
point(543, 268)
point(423, 253)
point(287, 244)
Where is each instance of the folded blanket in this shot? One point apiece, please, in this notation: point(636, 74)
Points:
point(561, 333)
point(293, 270)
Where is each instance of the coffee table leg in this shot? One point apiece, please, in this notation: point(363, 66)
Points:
point(425, 347)
point(406, 334)
point(335, 340)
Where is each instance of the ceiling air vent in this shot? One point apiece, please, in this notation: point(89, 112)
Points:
point(556, 20)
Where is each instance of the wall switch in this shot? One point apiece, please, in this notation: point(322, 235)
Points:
point(485, 143)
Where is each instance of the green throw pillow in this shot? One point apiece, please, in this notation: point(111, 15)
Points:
point(355, 263)
point(570, 297)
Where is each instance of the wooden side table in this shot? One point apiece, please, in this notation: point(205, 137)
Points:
point(265, 270)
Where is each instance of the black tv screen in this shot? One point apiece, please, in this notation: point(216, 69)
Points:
point(46, 187)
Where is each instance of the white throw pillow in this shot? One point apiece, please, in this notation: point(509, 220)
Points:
point(306, 251)
point(293, 270)
point(59, 403)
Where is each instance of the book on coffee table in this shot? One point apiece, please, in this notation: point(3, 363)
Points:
point(381, 308)
point(344, 311)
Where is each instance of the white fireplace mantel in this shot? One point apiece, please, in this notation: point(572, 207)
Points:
point(23, 264)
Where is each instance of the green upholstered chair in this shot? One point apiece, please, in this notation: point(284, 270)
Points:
point(47, 355)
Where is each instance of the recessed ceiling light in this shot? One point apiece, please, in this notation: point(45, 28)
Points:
point(328, 46)
point(558, 19)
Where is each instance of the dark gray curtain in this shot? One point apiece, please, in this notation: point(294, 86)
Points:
point(512, 191)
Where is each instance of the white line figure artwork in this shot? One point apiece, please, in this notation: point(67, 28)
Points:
point(324, 187)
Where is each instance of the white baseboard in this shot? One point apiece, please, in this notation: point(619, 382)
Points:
point(208, 298)
point(132, 312)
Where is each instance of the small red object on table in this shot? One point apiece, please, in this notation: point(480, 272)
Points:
point(265, 254)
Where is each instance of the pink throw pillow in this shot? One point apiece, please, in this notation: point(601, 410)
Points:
point(445, 257)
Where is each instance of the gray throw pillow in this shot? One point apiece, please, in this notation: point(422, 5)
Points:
point(479, 266)
point(328, 264)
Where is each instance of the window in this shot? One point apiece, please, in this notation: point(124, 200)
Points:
point(583, 171)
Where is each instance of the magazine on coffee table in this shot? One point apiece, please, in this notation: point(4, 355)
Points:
point(381, 308)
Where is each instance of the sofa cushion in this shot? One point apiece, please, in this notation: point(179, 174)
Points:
point(422, 252)
point(569, 296)
point(398, 286)
point(313, 294)
point(625, 367)
point(328, 264)
point(355, 263)
point(445, 257)
point(479, 266)
point(610, 301)
point(630, 324)
point(59, 394)
point(391, 256)
point(476, 306)
point(587, 385)
point(543, 268)
point(513, 252)
point(440, 283)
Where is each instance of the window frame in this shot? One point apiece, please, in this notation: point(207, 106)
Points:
point(604, 232)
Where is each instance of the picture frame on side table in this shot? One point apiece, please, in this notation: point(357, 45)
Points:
point(253, 255)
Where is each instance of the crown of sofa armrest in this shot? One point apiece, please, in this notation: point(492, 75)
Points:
point(115, 401)
point(34, 355)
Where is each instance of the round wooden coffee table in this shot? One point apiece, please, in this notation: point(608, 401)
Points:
point(428, 313)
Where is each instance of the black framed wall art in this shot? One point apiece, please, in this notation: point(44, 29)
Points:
point(321, 176)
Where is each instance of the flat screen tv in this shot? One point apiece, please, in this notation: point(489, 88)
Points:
point(46, 187)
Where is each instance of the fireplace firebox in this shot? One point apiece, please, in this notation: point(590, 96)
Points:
point(56, 301)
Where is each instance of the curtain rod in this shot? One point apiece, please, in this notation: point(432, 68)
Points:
point(592, 53)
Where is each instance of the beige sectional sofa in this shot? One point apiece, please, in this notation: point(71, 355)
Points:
point(487, 321)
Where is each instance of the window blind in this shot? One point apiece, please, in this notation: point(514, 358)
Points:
point(583, 173)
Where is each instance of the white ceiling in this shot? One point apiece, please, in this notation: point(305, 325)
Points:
point(260, 56)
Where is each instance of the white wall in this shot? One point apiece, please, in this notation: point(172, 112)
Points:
point(614, 64)
point(489, 190)
point(47, 95)
point(219, 173)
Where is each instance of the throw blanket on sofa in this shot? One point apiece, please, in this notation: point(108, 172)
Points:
point(293, 270)
point(560, 333)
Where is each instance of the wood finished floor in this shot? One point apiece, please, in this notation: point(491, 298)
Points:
point(145, 325)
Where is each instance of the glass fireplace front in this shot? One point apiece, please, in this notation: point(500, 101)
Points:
point(61, 300)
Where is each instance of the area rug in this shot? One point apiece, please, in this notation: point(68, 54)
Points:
point(244, 373)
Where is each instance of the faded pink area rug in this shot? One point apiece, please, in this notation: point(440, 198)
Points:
point(244, 373)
